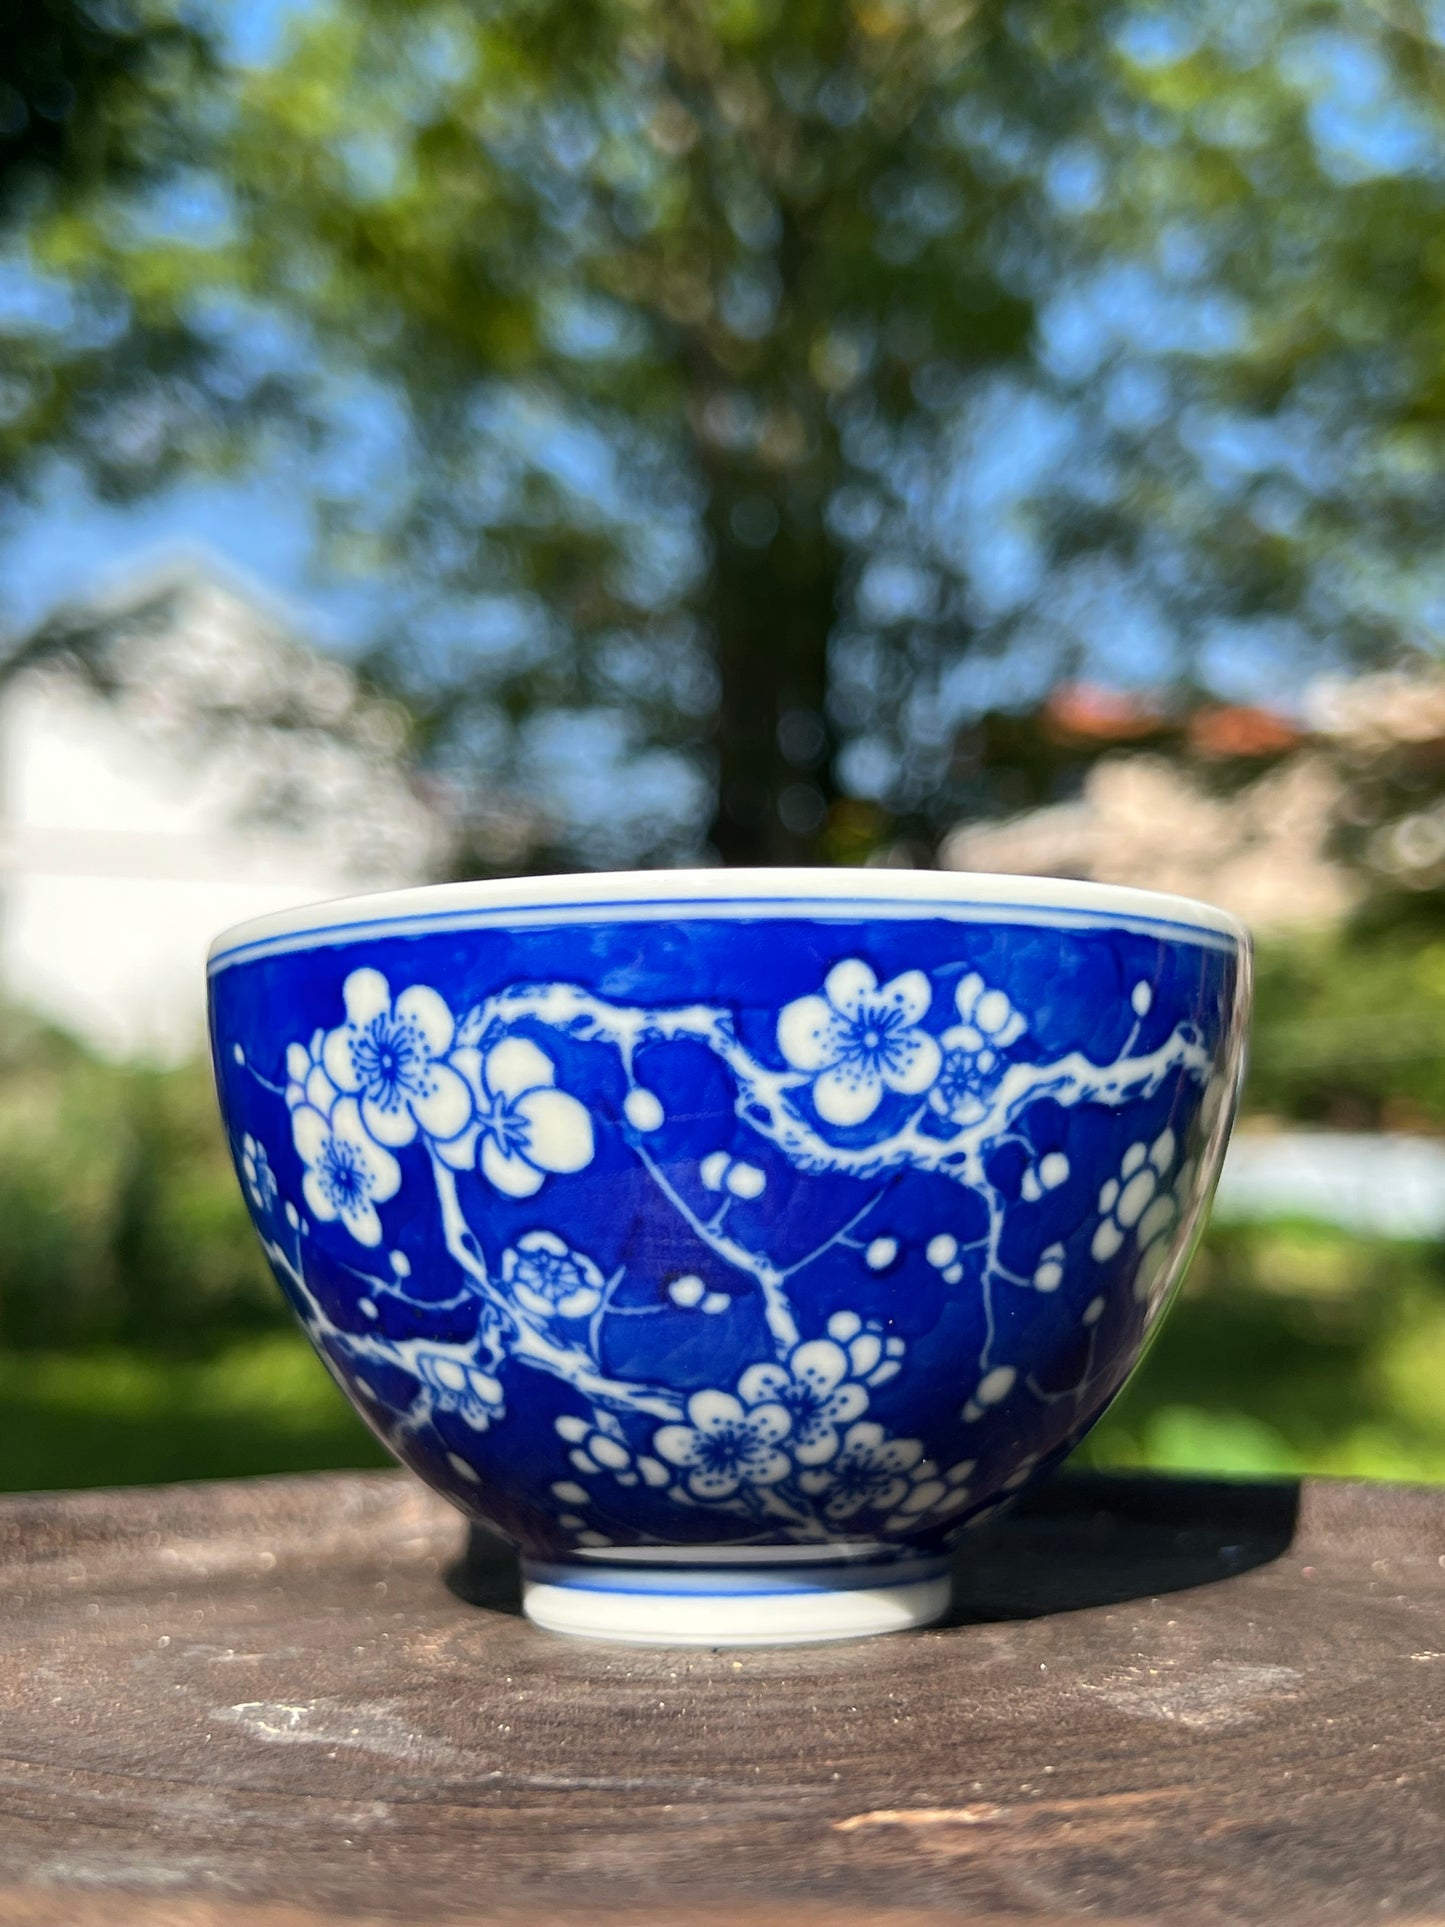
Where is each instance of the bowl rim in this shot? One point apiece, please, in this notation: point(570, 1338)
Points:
point(644, 894)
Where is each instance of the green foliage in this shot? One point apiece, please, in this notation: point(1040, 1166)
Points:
point(80, 88)
point(99, 107)
point(641, 276)
point(1294, 1348)
point(1350, 1027)
point(123, 1224)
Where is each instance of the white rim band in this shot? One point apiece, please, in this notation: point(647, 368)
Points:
point(676, 894)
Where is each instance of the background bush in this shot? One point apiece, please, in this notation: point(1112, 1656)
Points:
point(1350, 1024)
point(123, 1224)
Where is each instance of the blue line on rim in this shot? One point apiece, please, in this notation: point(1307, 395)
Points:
point(717, 910)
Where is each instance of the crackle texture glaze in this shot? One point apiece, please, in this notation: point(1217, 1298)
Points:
point(719, 1224)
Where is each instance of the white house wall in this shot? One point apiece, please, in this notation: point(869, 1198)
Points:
point(119, 861)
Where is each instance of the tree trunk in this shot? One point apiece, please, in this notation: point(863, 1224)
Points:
point(773, 598)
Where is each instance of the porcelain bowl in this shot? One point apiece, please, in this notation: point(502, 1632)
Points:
point(731, 1241)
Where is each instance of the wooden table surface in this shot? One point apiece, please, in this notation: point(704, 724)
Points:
point(289, 1702)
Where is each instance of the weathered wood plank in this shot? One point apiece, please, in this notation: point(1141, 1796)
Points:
point(297, 1702)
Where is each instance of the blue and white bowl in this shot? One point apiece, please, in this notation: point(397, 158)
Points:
point(731, 1241)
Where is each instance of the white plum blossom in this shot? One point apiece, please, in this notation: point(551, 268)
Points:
point(643, 1109)
point(817, 1390)
point(725, 1445)
point(988, 1024)
point(874, 1356)
point(1139, 1200)
point(719, 1172)
point(306, 1078)
point(992, 1389)
point(347, 1172)
point(260, 1178)
point(689, 1293)
point(860, 1039)
point(942, 1252)
point(1049, 1272)
point(871, 1471)
point(745, 1180)
point(526, 1128)
point(713, 1169)
point(456, 1385)
point(392, 1058)
point(599, 1445)
point(1134, 1198)
point(987, 1018)
point(933, 1493)
point(549, 1279)
point(1047, 1175)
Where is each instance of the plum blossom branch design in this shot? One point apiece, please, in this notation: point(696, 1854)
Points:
point(405, 1093)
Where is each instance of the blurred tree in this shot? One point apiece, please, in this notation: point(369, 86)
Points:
point(96, 103)
point(77, 88)
point(674, 300)
point(1264, 374)
point(712, 388)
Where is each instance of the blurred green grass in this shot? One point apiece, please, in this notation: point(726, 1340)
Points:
point(1292, 1349)
point(141, 1338)
point(128, 1417)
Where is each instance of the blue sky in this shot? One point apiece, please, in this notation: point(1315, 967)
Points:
point(254, 29)
point(66, 546)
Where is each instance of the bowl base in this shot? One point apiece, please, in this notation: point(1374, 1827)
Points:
point(734, 1596)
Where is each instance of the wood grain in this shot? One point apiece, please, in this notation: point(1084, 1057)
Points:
point(303, 1702)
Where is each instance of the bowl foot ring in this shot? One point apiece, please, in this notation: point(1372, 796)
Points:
point(647, 1597)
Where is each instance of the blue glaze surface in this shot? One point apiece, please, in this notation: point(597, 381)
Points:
point(730, 1229)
